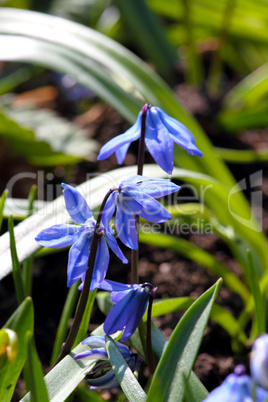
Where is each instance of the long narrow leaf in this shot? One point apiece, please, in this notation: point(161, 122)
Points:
point(17, 275)
point(86, 317)
point(258, 299)
point(124, 375)
point(178, 357)
point(63, 324)
point(37, 383)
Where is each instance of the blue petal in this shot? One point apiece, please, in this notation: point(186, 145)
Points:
point(121, 153)
point(158, 142)
point(132, 134)
point(125, 226)
point(114, 246)
point(94, 354)
point(136, 313)
point(127, 313)
point(146, 206)
point(106, 381)
point(114, 286)
point(76, 205)
point(101, 264)
point(78, 258)
point(158, 187)
point(133, 180)
point(58, 236)
point(179, 133)
point(94, 341)
point(108, 210)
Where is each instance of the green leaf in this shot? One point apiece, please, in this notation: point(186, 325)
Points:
point(248, 91)
point(243, 156)
point(142, 23)
point(256, 292)
point(124, 375)
point(181, 350)
point(194, 389)
point(64, 320)
point(42, 137)
point(65, 376)
point(20, 322)
point(37, 383)
point(17, 275)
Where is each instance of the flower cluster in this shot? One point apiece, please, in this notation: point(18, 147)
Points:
point(135, 196)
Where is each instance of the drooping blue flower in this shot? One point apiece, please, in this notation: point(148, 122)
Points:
point(137, 195)
point(259, 361)
point(237, 387)
point(161, 133)
point(130, 305)
point(102, 375)
point(80, 237)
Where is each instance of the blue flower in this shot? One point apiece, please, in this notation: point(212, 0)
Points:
point(160, 134)
point(102, 374)
point(130, 305)
point(237, 387)
point(137, 195)
point(259, 361)
point(80, 237)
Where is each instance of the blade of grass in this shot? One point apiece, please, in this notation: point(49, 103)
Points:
point(259, 301)
point(64, 320)
point(17, 275)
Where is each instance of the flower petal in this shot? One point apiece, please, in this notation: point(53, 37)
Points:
point(94, 354)
point(158, 141)
point(132, 134)
point(158, 187)
point(106, 381)
point(136, 311)
point(146, 206)
point(179, 133)
point(127, 313)
point(108, 210)
point(121, 153)
point(101, 264)
point(112, 286)
point(94, 341)
point(76, 205)
point(78, 258)
point(114, 246)
point(125, 226)
point(58, 236)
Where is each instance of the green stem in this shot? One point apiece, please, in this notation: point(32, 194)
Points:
point(149, 348)
point(135, 253)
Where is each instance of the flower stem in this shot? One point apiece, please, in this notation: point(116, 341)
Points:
point(142, 138)
point(135, 253)
point(150, 355)
point(86, 288)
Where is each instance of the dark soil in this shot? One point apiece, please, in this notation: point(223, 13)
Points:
point(173, 275)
